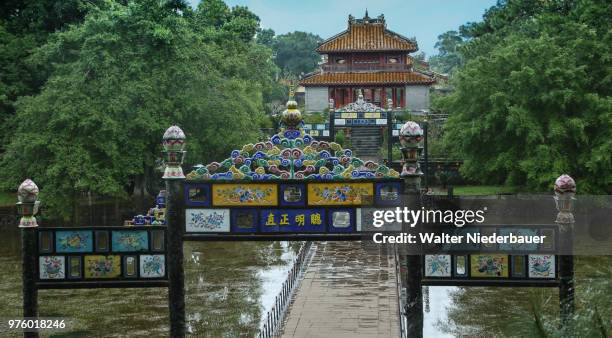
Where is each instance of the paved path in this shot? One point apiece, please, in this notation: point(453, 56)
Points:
point(346, 292)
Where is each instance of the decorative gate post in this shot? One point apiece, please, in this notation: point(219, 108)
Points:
point(27, 207)
point(410, 137)
point(565, 189)
point(174, 145)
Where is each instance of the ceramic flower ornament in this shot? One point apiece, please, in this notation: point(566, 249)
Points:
point(174, 145)
point(565, 189)
point(27, 192)
point(564, 184)
point(410, 133)
point(174, 139)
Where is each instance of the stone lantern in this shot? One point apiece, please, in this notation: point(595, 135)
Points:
point(27, 207)
point(565, 190)
point(174, 152)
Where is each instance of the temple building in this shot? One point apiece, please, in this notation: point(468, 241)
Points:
point(371, 58)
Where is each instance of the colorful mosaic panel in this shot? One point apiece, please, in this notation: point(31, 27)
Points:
point(152, 266)
point(340, 193)
point(130, 241)
point(98, 257)
point(489, 266)
point(542, 266)
point(207, 220)
point(437, 265)
point(245, 194)
point(100, 266)
point(52, 267)
point(74, 241)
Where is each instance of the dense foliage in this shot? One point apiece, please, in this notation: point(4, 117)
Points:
point(24, 26)
point(294, 52)
point(448, 58)
point(532, 100)
point(119, 79)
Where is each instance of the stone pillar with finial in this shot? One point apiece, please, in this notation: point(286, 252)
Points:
point(174, 152)
point(410, 137)
point(565, 190)
point(27, 207)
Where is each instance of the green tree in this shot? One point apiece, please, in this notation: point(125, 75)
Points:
point(24, 26)
point(448, 58)
point(243, 23)
point(266, 37)
point(533, 99)
point(295, 52)
point(213, 13)
point(117, 82)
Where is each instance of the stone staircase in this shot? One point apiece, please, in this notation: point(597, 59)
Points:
point(366, 142)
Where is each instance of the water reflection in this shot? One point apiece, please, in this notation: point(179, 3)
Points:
point(437, 303)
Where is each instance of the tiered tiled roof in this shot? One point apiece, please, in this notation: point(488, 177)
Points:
point(367, 78)
point(367, 35)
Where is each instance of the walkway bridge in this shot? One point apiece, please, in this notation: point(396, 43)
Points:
point(346, 291)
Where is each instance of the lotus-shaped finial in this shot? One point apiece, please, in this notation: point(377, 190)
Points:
point(565, 183)
point(27, 192)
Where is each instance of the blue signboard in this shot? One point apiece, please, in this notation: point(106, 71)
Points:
point(292, 220)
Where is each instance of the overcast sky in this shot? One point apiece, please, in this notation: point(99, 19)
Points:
point(423, 19)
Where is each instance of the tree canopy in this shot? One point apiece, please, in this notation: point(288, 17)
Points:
point(24, 26)
point(118, 80)
point(532, 100)
point(295, 52)
point(448, 58)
